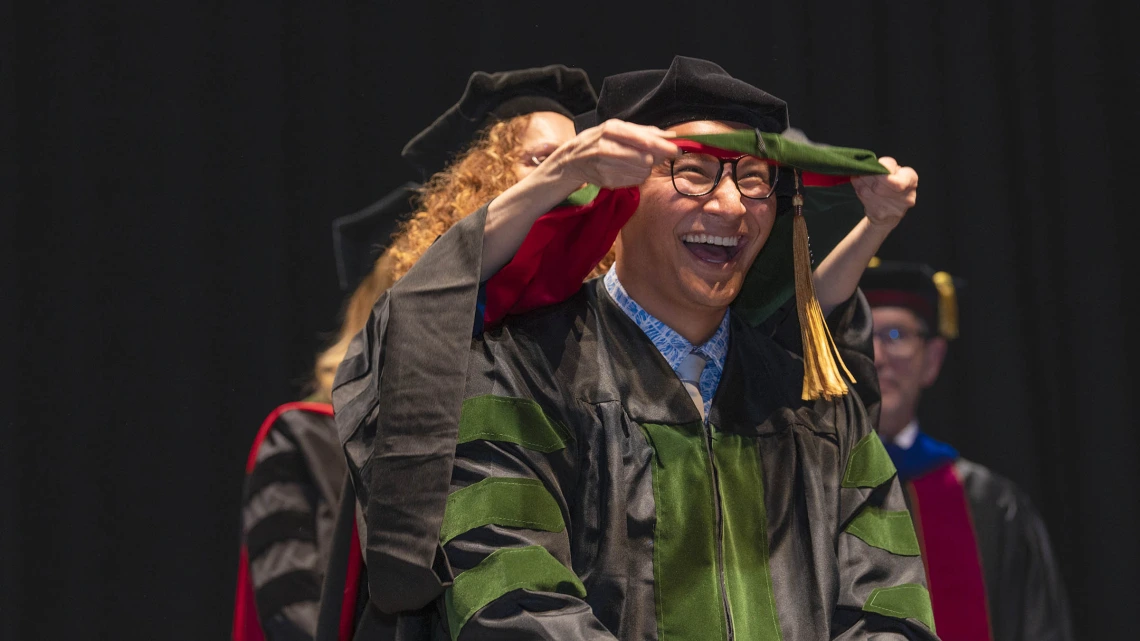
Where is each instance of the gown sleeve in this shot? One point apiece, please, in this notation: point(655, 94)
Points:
point(1025, 589)
point(882, 582)
point(279, 515)
point(400, 387)
point(398, 396)
point(506, 529)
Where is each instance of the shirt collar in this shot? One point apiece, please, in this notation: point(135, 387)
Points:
point(671, 344)
point(905, 438)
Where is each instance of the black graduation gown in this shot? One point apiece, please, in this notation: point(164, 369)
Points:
point(1026, 595)
point(291, 495)
point(987, 552)
point(586, 499)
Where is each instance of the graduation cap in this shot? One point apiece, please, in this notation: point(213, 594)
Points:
point(690, 89)
point(931, 295)
point(818, 187)
point(360, 238)
point(491, 97)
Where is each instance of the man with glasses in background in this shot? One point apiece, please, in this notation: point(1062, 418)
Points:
point(989, 563)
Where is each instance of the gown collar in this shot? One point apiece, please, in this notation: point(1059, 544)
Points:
point(924, 455)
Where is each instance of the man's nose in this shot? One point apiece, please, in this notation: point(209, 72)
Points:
point(727, 196)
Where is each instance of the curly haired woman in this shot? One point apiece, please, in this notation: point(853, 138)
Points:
point(294, 480)
point(504, 153)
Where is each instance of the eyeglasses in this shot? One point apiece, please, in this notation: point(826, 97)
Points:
point(899, 342)
point(697, 174)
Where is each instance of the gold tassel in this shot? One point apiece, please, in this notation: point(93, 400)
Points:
point(822, 363)
point(947, 305)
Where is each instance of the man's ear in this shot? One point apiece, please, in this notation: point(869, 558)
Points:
point(935, 354)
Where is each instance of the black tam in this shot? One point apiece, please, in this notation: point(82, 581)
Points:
point(360, 238)
point(491, 97)
point(932, 296)
point(690, 89)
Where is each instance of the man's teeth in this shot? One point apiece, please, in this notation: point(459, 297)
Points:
point(723, 241)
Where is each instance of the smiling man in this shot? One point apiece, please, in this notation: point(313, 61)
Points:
point(635, 462)
point(701, 222)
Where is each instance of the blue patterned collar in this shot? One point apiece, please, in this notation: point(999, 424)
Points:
point(672, 345)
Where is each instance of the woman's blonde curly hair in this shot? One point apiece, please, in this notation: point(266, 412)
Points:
point(484, 171)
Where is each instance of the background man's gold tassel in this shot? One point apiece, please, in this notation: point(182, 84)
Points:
point(823, 366)
point(947, 305)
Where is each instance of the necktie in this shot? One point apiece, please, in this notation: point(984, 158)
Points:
point(690, 374)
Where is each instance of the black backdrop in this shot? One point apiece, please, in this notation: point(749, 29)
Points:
point(169, 174)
